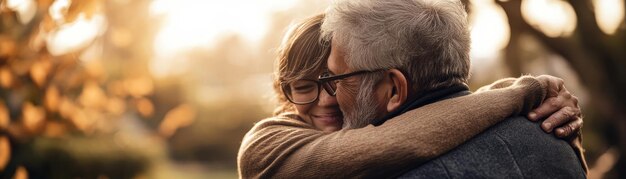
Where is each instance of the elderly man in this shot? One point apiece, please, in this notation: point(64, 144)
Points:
point(392, 56)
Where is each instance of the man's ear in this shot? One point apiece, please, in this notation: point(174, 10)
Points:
point(399, 89)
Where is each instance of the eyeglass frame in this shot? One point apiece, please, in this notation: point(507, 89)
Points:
point(327, 80)
point(323, 82)
point(284, 84)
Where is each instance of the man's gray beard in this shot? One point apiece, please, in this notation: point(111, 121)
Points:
point(365, 109)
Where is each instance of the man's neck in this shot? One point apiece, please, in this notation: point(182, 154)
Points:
point(429, 97)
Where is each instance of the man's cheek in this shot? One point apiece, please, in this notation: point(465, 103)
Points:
point(344, 105)
point(346, 102)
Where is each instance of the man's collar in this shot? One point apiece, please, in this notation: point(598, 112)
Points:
point(431, 97)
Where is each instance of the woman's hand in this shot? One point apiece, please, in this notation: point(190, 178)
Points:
point(560, 107)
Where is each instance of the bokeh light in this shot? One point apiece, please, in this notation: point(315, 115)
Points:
point(555, 18)
point(192, 24)
point(490, 32)
point(609, 15)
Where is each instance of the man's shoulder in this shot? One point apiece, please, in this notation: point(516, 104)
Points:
point(515, 147)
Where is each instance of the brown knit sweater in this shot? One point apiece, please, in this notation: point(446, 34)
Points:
point(286, 147)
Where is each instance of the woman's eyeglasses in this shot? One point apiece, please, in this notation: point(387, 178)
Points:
point(305, 91)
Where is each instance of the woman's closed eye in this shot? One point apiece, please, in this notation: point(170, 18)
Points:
point(304, 88)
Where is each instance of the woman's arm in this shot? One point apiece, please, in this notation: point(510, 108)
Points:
point(284, 147)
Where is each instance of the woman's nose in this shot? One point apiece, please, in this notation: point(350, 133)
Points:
point(326, 99)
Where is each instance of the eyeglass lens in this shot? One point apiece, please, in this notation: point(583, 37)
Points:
point(302, 91)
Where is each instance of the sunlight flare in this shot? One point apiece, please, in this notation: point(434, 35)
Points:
point(25, 9)
point(555, 18)
point(189, 24)
point(609, 14)
point(490, 31)
point(76, 35)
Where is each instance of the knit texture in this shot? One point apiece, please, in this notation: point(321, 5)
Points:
point(286, 147)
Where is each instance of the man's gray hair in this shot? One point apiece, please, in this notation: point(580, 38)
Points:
point(426, 39)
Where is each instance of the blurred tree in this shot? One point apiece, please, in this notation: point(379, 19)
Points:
point(70, 72)
point(598, 58)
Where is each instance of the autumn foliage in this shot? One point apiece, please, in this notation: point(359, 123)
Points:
point(54, 95)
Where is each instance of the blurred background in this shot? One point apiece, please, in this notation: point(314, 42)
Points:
point(168, 88)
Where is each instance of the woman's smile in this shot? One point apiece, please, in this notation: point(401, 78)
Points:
point(331, 119)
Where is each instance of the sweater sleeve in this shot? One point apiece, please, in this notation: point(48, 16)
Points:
point(283, 147)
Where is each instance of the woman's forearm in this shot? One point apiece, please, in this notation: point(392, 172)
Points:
point(424, 133)
point(291, 149)
point(447, 124)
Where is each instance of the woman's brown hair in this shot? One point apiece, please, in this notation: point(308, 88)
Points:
point(302, 54)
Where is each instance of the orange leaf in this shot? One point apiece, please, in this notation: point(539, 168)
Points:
point(5, 152)
point(116, 88)
point(84, 121)
point(52, 99)
point(44, 3)
point(6, 77)
point(67, 108)
point(138, 87)
point(95, 69)
point(145, 107)
point(92, 96)
point(32, 117)
point(21, 66)
point(54, 129)
point(21, 173)
point(116, 106)
point(4, 116)
point(7, 47)
point(181, 116)
point(39, 71)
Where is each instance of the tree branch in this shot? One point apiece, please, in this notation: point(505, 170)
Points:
point(569, 48)
point(603, 76)
point(610, 49)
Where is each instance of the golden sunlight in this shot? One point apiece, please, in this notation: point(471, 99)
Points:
point(490, 30)
point(75, 35)
point(609, 14)
point(25, 9)
point(555, 18)
point(189, 24)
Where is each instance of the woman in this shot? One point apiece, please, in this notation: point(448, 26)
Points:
point(304, 139)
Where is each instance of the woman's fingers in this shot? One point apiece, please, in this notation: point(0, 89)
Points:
point(561, 119)
point(549, 106)
point(556, 97)
point(554, 84)
point(560, 107)
point(555, 103)
point(570, 129)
